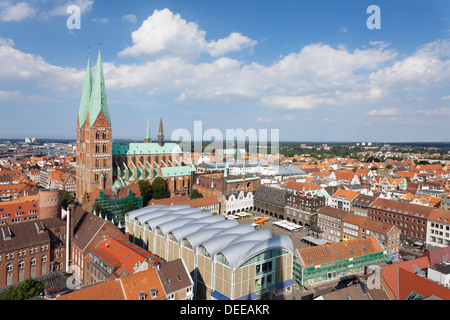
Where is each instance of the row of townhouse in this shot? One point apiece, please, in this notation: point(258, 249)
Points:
point(166, 281)
point(339, 225)
point(420, 219)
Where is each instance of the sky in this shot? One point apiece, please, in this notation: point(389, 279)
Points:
point(313, 70)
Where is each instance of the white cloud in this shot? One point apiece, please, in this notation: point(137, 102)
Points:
point(6, 42)
point(130, 17)
point(435, 112)
point(234, 42)
point(101, 20)
point(15, 12)
point(6, 95)
point(165, 33)
point(85, 6)
point(384, 112)
point(428, 66)
point(17, 65)
point(296, 102)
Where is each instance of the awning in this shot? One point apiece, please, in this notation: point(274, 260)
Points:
point(250, 296)
point(262, 220)
point(285, 284)
point(219, 296)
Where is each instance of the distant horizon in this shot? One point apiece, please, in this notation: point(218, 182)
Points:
point(268, 142)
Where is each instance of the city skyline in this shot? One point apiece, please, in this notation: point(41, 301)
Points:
point(314, 71)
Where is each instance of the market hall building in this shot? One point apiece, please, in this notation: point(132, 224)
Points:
point(227, 261)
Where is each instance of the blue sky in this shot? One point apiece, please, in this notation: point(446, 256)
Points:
point(311, 69)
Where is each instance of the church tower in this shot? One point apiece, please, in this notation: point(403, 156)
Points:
point(94, 135)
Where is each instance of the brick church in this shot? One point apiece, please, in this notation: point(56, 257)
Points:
point(107, 166)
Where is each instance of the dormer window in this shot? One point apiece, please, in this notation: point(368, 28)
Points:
point(7, 234)
point(142, 295)
point(153, 292)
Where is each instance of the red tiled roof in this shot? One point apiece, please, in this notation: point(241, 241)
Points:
point(338, 251)
point(348, 194)
point(143, 281)
point(440, 215)
point(344, 174)
point(122, 254)
point(409, 281)
point(292, 184)
point(390, 272)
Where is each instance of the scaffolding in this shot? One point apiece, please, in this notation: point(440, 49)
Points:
point(113, 206)
point(342, 268)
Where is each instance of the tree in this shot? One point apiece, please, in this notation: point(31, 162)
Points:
point(26, 290)
point(146, 191)
point(98, 209)
point(159, 188)
point(66, 199)
point(195, 194)
point(130, 206)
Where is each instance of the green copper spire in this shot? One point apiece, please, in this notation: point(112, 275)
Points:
point(86, 95)
point(98, 100)
point(148, 138)
point(161, 132)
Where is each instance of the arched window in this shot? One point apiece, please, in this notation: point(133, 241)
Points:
point(33, 261)
point(44, 258)
point(9, 267)
point(104, 148)
point(97, 148)
point(21, 264)
point(97, 135)
point(104, 135)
